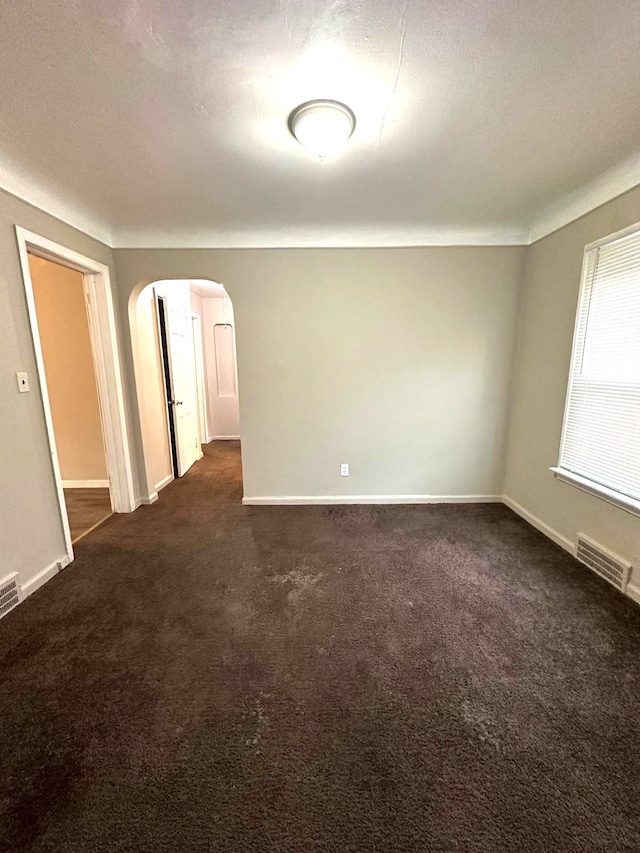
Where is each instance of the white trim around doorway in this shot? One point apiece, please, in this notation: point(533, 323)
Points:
point(104, 345)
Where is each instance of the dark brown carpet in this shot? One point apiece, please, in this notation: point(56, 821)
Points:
point(207, 677)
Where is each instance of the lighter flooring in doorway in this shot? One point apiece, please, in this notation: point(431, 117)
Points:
point(208, 677)
point(86, 509)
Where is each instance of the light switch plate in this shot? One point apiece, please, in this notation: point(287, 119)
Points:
point(23, 382)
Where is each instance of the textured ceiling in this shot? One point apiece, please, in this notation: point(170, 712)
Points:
point(160, 122)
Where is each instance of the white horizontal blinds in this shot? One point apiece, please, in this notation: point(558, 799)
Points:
point(601, 439)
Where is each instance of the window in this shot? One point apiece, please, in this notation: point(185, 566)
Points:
point(600, 448)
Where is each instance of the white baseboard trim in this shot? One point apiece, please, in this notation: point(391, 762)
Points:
point(633, 592)
point(146, 500)
point(540, 525)
point(224, 438)
point(85, 484)
point(308, 500)
point(164, 482)
point(34, 583)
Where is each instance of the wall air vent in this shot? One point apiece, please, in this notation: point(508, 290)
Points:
point(9, 593)
point(609, 566)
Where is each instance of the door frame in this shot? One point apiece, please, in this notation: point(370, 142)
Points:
point(201, 382)
point(98, 296)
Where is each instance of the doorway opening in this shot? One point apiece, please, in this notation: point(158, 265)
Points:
point(80, 383)
point(183, 337)
point(73, 393)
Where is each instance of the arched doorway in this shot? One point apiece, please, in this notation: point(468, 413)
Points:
point(183, 342)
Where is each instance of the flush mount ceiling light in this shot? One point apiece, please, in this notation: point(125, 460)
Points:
point(323, 127)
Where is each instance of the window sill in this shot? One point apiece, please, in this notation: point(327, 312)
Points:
point(598, 491)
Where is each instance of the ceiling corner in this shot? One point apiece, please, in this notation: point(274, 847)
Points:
point(607, 186)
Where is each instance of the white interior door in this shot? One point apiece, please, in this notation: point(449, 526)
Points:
point(181, 362)
point(199, 375)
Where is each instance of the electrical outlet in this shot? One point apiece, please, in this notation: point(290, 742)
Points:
point(344, 469)
point(23, 382)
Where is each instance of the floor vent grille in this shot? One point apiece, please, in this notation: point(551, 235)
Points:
point(609, 566)
point(9, 594)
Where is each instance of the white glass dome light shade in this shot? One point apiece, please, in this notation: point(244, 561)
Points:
point(322, 127)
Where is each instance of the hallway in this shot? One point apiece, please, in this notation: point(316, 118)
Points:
point(212, 677)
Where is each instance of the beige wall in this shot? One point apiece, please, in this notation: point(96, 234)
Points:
point(541, 370)
point(31, 536)
point(394, 360)
point(71, 382)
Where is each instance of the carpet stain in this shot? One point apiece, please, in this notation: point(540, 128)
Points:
point(298, 582)
point(259, 722)
point(482, 721)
